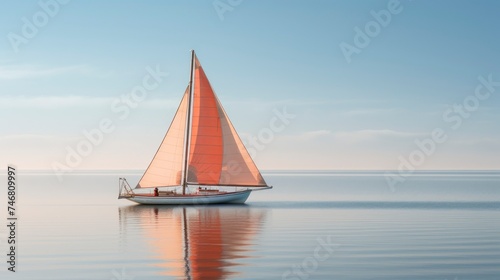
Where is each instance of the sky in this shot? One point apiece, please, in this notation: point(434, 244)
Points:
point(340, 85)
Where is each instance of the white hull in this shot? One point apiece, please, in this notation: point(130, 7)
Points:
point(233, 197)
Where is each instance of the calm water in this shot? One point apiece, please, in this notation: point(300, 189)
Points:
point(312, 225)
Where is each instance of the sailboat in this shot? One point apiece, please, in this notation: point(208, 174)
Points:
point(201, 159)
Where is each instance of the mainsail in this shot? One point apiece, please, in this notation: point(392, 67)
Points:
point(215, 153)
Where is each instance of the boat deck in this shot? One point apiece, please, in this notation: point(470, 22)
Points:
point(171, 194)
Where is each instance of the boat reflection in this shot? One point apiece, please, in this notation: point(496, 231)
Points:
point(203, 242)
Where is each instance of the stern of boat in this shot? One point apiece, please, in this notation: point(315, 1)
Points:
point(125, 189)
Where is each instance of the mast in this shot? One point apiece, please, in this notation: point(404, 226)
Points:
point(188, 127)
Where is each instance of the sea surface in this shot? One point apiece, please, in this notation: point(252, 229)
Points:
point(435, 225)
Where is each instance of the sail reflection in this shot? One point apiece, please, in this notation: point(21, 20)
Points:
point(195, 242)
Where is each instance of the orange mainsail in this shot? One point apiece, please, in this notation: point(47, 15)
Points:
point(215, 156)
point(206, 147)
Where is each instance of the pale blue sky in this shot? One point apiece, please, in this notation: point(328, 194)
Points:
point(260, 56)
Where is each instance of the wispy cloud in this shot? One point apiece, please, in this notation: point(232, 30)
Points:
point(371, 134)
point(305, 102)
point(366, 135)
point(20, 137)
point(477, 141)
point(310, 135)
point(51, 102)
point(13, 72)
point(363, 112)
point(44, 142)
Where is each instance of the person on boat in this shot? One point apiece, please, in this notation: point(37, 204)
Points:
point(156, 193)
